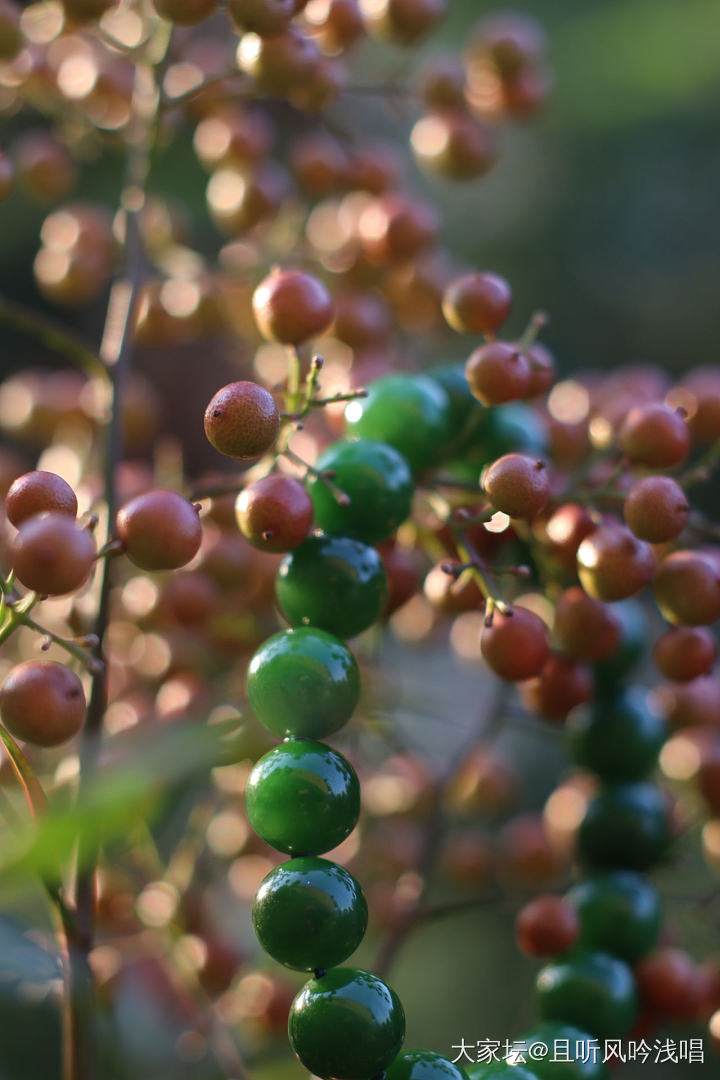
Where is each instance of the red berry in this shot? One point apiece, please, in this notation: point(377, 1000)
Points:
point(450, 143)
point(517, 485)
point(585, 628)
point(36, 492)
point(242, 420)
point(275, 513)
point(498, 372)
point(542, 369)
point(292, 307)
point(655, 435)
point(52, 554)
point(185, 12)
point(447, 594)
point(515, 646)
point(264, 17)
point(402, 22)
point(160, 529)
point(685, 652)
point(687, 588)
point(561, 685)
point(565, 529)
point(656, 509)
point(477, 303)
point(548, 925)
point(42, 703)
point(669, 983)
point(613, 564)
point(393, 228)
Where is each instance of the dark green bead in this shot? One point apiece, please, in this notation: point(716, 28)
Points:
point(620, 913)
point(303, 682)
point(594, 990)
point(625, 827)
point(466, 412)
point(303, 798)
point(557, 1037)
point(618, 737)
point(332, 582)
point(309, 913)
point(411, 412)
point(424, 1065)
point(377, 480)
point(514, 428)
point(499, 1070)
point(348, 1025)
point(633, 643)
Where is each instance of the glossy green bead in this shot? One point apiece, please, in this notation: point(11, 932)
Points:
point(620, 913)
point(498, 1070)
point(303, 798)
point(332, 582)
point(625, 827)
point(633, 643)
point(348, 1025)
point(618, 737)
point(514, 428)
point(424, 1065)
point(585, 1053)
point(464, 406)
point(411, 412)
point(309, 913)
point(303, 682)
point(594, 990)
point(377, 480)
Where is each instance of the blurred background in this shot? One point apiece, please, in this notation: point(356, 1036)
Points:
point(604, 213)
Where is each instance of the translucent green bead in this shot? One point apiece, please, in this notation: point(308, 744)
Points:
point(584, 1053)
point(617, 737)
point(375, 477)
point(411, 412)
point(309, 913)
point(303, 798)
point(620, 913)
point(348, 1025)
point(332, 582)
point(499, 1070)
point(591, 989)
point(424, 1065)
point(625, 827)
point(303, 682)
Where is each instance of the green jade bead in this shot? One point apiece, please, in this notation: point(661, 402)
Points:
point(332, 582)
point(594, 990)
point(498, 1070)
point(610, 673)
point(424, 1065)
point(625, 827)
point(376, 479)
point(584, 1052)
point(410, 412)
point(303, 798)
point(309, 914)
point(303, 682)
point(618, 738)
point(620, 913)
point(346, 1025)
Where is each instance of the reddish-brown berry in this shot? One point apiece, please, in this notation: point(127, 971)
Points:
point(275, 513)
point(185, 12)
point(242, 420)
point(585, 628)
point(36, 492)
point(565, 529)
point(42, 703)
point(561, 685)
point(656, 509)
point(613, 564)
point(452, 144)
point(292, 307)
point(515, 646)
point(687, 588)
point(448, 594)
point(498, 372)
point(393, 228)
point(402, 22)
point(160, 530)
point(477, 303)
point(655, 435)
point(52, 554)
point(547, 926)
point(685, 652)
point(542, 369)
point(264, 17)
point(517, 485)
point(669, 983)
